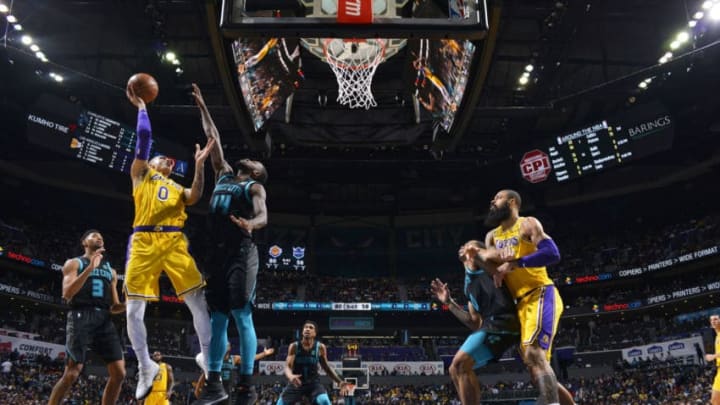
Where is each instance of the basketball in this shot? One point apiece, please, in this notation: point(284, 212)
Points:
point(144, 86)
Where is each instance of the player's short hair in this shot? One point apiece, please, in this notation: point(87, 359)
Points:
point(514, 195)
point(311, 323)
point(87, 233)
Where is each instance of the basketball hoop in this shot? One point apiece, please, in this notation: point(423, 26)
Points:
point(354, 62)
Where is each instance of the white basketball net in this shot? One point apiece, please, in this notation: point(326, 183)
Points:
point(354, 63)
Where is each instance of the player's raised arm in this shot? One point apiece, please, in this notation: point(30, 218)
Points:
point(217, 158)
point(289, 363)
point(193, 194)
point(139, 166)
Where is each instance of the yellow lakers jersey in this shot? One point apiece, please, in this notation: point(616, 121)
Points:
point(159, 201)
point(522, 279)
point(161, 379)
point(717, 348)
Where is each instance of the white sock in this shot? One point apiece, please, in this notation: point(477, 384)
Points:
point(136, 331)
point(201, 319)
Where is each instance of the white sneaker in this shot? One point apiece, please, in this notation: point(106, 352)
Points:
point(202, 363)
point(145, 380)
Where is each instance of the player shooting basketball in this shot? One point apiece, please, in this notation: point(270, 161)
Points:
point(158, 244)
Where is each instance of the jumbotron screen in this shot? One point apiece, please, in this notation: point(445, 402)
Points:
point(615, 141)
point(73, 131)
point(442, 68)
point(268, 72)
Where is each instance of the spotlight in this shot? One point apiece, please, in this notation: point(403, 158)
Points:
point(11, 19)
point(674, 45)
point(26, 39)
point(40, 56)
point(17, 27)
point(692, 23)
point(643, 85)
point(698, 15)
point(707, 4)
point(179, 70)
point(529, 68)
point(523, 80)
point(4, 9)
point(170, 56)
point(682, 36)
point(34, 48)
point(715, 12)
point(176, 62)
point(58, 78)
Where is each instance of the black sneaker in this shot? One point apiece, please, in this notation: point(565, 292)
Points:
point(213, 393)
point(245, 396)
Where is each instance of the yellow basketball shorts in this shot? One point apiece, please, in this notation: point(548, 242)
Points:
point(716, 382)
point(539, 313)
point(151, 253)
point(157, 398)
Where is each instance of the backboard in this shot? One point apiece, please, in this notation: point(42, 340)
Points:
point(461, 19)
point(358, 376)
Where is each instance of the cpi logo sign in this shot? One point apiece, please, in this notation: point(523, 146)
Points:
point(535, 166)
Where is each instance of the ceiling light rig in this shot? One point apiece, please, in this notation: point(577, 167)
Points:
point(16, 32)
point(697, 26)
point(166, 55)
point(551, 22)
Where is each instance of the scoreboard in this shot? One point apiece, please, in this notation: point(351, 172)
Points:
point(587, 150)
point(86, 135)
point(602, 145)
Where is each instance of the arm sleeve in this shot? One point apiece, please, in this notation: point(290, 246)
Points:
point(144, 136)
point(546, 254)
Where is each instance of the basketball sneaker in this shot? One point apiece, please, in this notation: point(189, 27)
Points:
point(145, 380)
point(213, 393)
point(245, 395)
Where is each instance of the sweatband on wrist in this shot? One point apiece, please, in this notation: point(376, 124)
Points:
point(144, 136)
point(547, 253)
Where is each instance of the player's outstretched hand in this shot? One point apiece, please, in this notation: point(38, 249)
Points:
point(269, 351)
point(295, 380)
point(134, 99)
point(197, 95)
point(345, 388)
point(202, 154)
point(440, 290)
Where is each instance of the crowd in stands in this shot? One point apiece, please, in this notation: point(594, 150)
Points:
point(600, 334)
point(28, 381)
point(51, 238)
point(637, 244)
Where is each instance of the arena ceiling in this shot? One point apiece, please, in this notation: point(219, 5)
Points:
point(588, 59)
